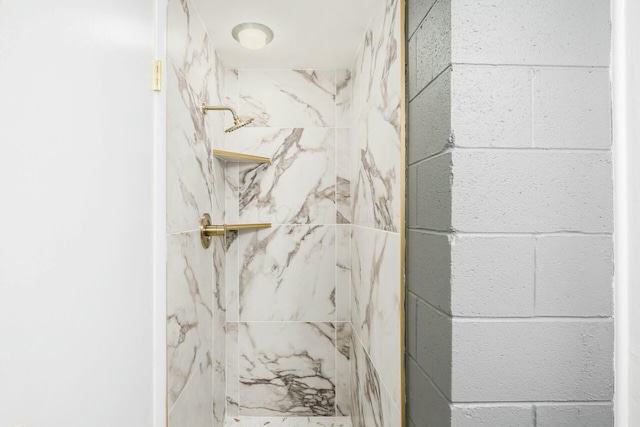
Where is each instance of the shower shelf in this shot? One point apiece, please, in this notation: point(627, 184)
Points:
point(230, 156)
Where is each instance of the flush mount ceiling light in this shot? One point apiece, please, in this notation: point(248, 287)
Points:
point(252, 35)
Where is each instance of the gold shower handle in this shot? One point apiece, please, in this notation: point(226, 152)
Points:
point(208, 230)
point(237, 227)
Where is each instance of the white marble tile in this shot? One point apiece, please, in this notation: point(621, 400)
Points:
point(288, 98)
point(189, 308)
point(343, 368)
point(287, 368)
point(232, 383)
point(219, 283)
point(232, 287)
point(219, 359)
point(343, 176)
point(288, 273)
point(343, 98)
point(343, 273)
point(299, 184)
point(193, 407)
point(371, 404)
point(188, 45)
point(189, 166)
point(288, 422)
point(376, 124)
point(376, 284)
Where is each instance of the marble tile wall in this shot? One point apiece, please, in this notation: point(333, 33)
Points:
point(375, 165)
point(288, 290)
point(195, 185)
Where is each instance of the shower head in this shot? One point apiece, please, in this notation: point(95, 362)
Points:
point(237, 124)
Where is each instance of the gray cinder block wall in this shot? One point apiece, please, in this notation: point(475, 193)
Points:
point(510, 214)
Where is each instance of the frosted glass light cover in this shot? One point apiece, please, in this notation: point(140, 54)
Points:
point(252, 35)
point(252, 38)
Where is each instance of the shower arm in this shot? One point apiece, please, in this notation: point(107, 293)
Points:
point(204, 107)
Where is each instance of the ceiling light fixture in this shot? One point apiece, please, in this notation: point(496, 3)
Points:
point(252, 35)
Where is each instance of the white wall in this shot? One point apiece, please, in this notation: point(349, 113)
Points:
point(76, 237)
point(626, 61)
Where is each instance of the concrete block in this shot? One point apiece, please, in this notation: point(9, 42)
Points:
point(412, 66)
point(433, 189)
point(412, 201)
point(434, 346)
point(529, 191)
point(412, 324)
point(426, 407)
point(535, 360)
point(574, 415)
point(430, 119)
point(536, 32)
point(572, 108)
point(416, 11)
point(429, 268)
point(492, 416)
point(491, 106)
point(433, 43)
point(574, 276)
point(492, 276)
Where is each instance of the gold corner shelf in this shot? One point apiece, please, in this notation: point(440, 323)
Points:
point(230, 156)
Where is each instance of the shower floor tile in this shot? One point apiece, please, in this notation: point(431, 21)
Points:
point(287, 422)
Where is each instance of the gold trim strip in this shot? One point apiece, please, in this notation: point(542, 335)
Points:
point(403, 196)
point(231, 156)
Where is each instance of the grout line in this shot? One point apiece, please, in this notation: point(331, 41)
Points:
point(409, 36)
point(191, 377)
point(534, 149)
point(513, 319)
point(431, 82)
point(458, 233)
point(568, 67)
point(433, 383)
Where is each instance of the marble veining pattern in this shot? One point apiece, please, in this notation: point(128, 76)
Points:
point(287, 369)
point(371, 404)
point(376, 124)
point(343, 176)
point(219, 376)
point(343, 98)
point(375, 306)
point(288, 422)
point(287, 273)
point(196, 300)
point(193, 407)
point(299, 184)
point(233, 359)
point(189, 310)
point(288, 98)
point(189, 170)
point(343, 368)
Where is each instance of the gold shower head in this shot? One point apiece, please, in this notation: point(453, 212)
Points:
point(237, 124)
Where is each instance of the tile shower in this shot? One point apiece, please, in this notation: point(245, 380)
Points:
point(299, 322)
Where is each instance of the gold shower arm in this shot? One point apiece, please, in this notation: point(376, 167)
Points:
point(204, 108)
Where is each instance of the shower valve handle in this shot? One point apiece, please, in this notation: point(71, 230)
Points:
point(207, 230)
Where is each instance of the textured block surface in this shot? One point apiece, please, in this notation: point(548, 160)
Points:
point(574, 276)
point(532, 360)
